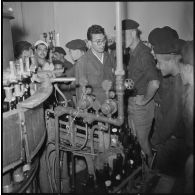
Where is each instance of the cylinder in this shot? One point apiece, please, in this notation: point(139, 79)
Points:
point(21, 66)
point(17, 90)
point(18, 175)
point(12, 70)
point(8, 93)
point(119, 67)
point(8, 50)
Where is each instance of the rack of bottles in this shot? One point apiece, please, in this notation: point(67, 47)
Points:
point(22, 137)
point(18, 83)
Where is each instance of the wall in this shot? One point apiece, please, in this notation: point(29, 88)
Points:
point(150, 15)
point(72, 19)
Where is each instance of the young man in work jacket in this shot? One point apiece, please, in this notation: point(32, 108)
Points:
point(96, 65)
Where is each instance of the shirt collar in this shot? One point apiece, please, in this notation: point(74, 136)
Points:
point(137, 48)
point(102, 58)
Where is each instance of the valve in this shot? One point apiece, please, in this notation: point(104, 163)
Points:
point(129, 83)
point(109, 107)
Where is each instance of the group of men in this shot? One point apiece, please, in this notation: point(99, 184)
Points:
point(162, 93)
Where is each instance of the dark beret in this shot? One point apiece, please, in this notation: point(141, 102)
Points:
point(59, 50)
point(128, 24)
point(77, 44)
point(165, 40)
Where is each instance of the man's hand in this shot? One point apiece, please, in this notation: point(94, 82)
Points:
point(150, 92)
point(140, 100)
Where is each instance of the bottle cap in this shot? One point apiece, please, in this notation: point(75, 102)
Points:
point(118, 177)
point(108, 183)
point(114, 130)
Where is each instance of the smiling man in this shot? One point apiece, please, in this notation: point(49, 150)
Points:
point(41, 50)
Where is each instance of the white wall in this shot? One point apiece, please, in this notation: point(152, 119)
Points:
point(150, 15)
point(38, 17)
point(72, 19)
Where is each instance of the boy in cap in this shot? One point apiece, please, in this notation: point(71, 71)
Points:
point(59, 54)
point(169, 130)
point(77, 48)
point(41, 50)
point(141, 69)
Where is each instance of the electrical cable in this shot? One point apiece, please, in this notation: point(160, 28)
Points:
point(53, 185)
point(60, 92)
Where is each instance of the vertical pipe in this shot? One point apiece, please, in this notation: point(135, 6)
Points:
point(57, 148)
point(119, 68)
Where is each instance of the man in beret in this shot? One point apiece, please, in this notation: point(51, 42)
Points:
point(141, 69)
point(77, 48)
point(169, 130)
point(59, 54)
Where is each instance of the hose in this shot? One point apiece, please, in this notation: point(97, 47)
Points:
point(60, 92)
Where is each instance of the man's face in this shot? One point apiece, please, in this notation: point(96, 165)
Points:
point(98, 42)
point(58, 56)
point(75, 54)
point(127, 36)
point(164, 64)
point(26, 54)
point(60, 68)
point(41, 51)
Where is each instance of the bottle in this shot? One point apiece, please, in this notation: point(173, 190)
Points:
point(125, 136)
point(107, 178)
point(137, 153)
point(100, 186)
point(128, 166)
point(90, 184)
point(118, 175)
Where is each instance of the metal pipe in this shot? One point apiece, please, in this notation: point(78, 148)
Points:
point(60, 110)
point(119, 68)
point(57, 148)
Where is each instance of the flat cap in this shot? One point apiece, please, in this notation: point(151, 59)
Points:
point(40, 42)
point(128, 24)
point(165, 40)
point(77, 44)
point(59, 50)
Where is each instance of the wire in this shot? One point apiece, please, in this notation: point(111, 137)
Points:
point(60, 92)
point(52, 184)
